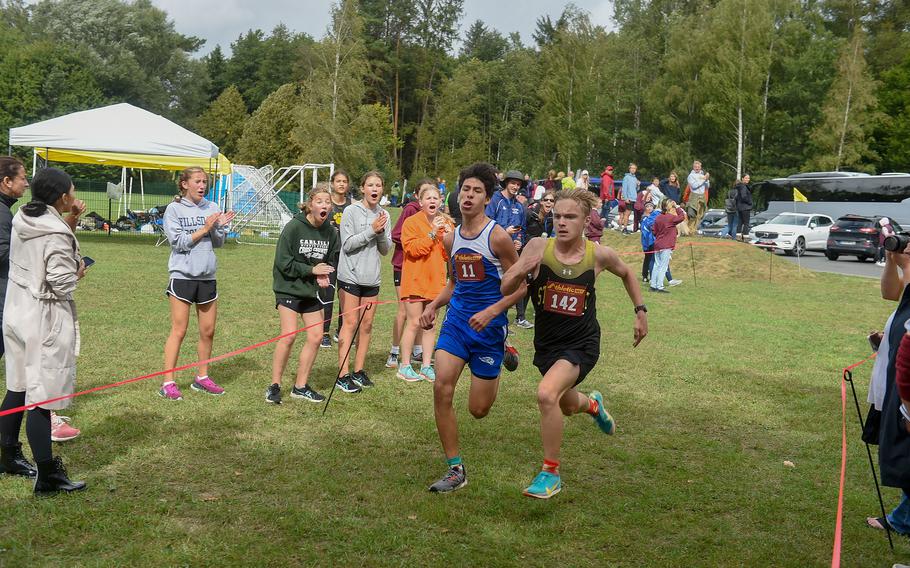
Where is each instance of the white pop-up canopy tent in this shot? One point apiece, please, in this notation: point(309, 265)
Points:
point(119, 135)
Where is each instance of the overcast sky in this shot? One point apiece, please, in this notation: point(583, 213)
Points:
point(221, 21)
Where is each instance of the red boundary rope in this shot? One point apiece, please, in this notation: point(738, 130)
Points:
point(190, 365)
point(839, 522)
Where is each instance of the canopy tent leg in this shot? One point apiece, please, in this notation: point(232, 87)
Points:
point(142, 189)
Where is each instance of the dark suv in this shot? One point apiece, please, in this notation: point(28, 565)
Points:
point(855, 235)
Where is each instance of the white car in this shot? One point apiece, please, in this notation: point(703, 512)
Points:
point(793, 233)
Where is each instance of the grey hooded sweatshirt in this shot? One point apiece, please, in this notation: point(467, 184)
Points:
point(361, 246)
point(189, 260)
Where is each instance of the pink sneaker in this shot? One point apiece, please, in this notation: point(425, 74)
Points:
point(207, 385)
point(170, 391)
point(60, 430)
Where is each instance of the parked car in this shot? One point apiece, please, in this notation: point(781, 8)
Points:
point(793, 233)
point(855, 235)
point(720, 226)
point(711, 216)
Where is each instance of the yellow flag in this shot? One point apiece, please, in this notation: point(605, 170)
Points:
point(797, 196)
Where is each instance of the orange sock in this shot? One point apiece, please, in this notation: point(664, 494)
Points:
point(593, 407)
point(551, 466)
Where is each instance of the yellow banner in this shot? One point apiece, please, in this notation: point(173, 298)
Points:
point(797, 196)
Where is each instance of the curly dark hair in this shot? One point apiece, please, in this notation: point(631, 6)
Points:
point(482, 171)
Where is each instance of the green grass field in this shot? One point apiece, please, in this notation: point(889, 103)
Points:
point(737, 375)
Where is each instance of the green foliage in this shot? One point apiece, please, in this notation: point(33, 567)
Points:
point(483, 44)
point(43, 81)
point(136, 55)
point(267, 135)
point(893, 136)
point(223, 121)
point(841, 140)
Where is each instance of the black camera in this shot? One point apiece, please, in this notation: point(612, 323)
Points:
point(897, 242)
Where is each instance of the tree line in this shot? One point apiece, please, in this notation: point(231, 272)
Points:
point(768, 87)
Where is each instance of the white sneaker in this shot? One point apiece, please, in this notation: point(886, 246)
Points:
point(675, 282)
point(880, 263)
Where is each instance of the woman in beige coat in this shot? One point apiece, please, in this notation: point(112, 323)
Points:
point(40, 328)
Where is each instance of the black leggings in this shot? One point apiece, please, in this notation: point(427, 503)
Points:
point(11, 424)
point(38, 430)
point(744, 223)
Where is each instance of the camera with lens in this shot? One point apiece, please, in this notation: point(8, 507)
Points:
point(897, 242)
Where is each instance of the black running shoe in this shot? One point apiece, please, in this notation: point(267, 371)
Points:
point(455, 478)
point(273, 393)
point(326, 342)
point(306, 393)
point(362, 380)
point(347, 384)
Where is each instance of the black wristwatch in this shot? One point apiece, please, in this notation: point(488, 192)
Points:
point(641, 308)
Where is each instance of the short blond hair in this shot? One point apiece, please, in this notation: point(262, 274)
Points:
point(584, 198)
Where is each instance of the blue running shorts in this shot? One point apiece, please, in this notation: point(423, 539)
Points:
point(483, 352)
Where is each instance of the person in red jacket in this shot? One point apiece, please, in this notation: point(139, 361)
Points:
point(607, 194)
point(665, 241)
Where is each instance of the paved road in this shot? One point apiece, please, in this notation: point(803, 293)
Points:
point(846, 265)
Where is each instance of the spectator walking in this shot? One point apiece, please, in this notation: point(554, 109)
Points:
point(647, 245)
point(743, 205)
point(698, 186)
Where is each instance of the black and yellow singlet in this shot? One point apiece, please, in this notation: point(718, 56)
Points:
point(565, 304)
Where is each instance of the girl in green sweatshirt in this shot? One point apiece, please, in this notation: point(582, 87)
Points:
point(304, 258)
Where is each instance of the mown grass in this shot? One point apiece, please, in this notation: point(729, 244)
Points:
point(737, 375)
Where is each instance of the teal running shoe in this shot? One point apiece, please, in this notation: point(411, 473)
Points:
point(407, 373)
point(428, 373)
point(544, 486)
point(603, 419)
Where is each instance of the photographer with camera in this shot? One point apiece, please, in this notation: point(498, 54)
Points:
point(886, 428)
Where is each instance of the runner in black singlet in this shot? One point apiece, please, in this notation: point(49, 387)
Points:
point(562, 271)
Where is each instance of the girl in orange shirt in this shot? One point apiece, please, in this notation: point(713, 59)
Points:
point(423, 275)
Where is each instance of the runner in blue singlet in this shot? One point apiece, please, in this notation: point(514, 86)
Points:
point(474, 330)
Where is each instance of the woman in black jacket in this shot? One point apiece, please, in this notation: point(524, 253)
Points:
point(743, 202)
point(540, 217)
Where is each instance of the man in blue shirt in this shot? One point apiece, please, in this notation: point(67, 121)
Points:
point(509, 213)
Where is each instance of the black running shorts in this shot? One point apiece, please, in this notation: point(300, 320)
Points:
point(298, 305)
point(192, 291)
point(358, 290)
point(586, 359)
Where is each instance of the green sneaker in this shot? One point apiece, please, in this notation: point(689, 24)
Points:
point(544, 486)
point(407, 373)
point(428, 373)
point(602, 418)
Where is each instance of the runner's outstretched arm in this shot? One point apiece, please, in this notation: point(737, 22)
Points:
point(528, 263)
point(606, 259)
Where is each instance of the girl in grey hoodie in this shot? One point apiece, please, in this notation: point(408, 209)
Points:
point(194, 228)
point(366, 233)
